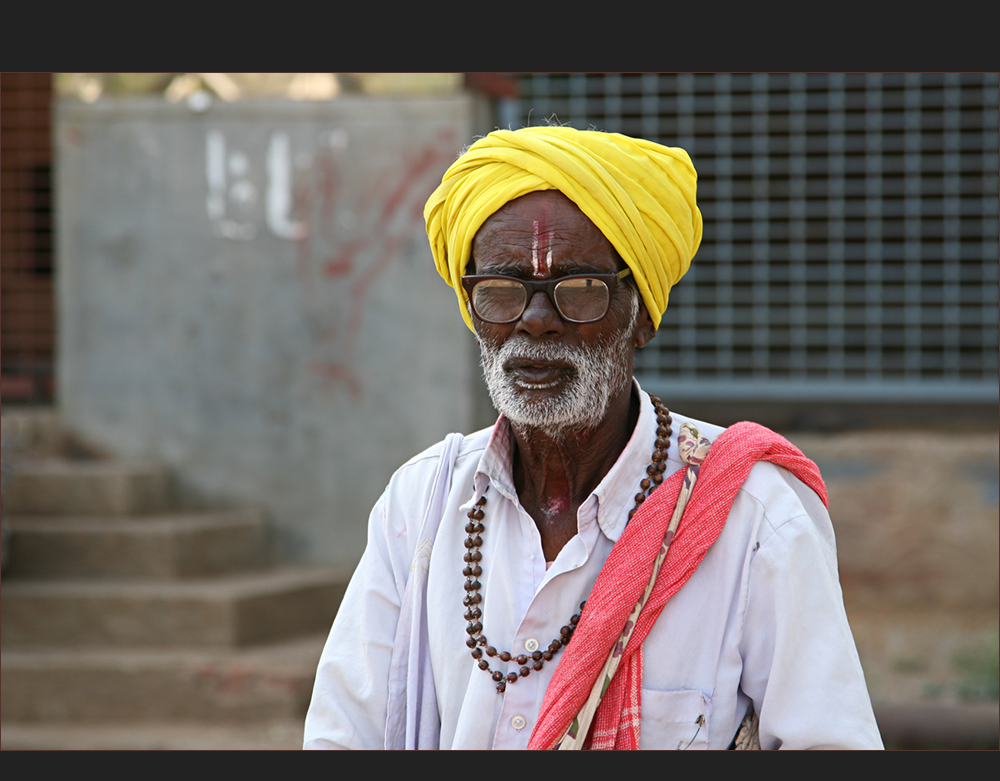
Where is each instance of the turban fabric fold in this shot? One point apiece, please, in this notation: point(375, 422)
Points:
point(639, 194)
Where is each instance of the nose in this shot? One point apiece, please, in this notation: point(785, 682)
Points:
point(540, 318)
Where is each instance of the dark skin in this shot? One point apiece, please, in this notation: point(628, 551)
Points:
point(544, 235)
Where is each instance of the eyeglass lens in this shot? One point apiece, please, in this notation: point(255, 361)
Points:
point(504, 300)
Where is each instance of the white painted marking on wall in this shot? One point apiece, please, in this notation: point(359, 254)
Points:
point(243, 193)
point(215, 171)
point(199, 101)
point(239, 164)
point(279, 190)
point(337, 139)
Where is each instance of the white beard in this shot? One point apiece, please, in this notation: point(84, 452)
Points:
point(600, 371)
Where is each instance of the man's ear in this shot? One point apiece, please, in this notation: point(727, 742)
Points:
point(644, 330)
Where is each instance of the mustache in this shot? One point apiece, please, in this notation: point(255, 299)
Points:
point(524, 349)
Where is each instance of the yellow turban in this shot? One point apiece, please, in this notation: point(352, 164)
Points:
point(641, 195)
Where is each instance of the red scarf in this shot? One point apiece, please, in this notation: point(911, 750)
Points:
point(627, 572)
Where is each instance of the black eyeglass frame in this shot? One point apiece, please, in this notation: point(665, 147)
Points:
point(548, 287)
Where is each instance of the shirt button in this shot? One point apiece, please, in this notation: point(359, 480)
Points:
point(531, 645)
point(518, 722)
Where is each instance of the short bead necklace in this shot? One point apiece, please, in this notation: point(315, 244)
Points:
point(473, 556)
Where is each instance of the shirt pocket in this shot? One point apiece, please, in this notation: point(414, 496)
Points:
point(674, 720)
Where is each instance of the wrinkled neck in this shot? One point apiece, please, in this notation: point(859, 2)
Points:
point(554, 475)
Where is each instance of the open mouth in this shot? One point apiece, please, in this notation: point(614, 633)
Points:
point(537, 375)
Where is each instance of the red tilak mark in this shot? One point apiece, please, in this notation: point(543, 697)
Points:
point(541, 249)
point(534, 250)
point(558, 504)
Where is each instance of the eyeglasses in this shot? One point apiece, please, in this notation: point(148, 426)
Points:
point(581, 298)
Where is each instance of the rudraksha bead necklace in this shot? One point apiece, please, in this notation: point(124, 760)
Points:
point(473, 556)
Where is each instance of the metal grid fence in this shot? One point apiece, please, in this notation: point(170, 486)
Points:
point(851, 226)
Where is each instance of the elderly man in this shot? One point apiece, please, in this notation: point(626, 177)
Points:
point(693, 568)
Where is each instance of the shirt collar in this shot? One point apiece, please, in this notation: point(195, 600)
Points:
point(615, 494)
point(495, 465)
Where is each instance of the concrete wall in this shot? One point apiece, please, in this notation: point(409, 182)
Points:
point(245, 292)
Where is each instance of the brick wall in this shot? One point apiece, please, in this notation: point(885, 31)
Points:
point(26, 237)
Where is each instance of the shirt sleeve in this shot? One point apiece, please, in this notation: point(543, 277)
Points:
point(801, 666)
point(348, 707)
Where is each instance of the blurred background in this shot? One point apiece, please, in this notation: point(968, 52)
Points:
point(222, 331)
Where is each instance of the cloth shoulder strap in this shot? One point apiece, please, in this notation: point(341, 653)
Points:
point(628, 569)
point(412, 720)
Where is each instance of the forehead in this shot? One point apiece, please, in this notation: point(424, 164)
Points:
point(542, 221)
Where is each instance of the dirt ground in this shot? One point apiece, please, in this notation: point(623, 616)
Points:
point(914, 656)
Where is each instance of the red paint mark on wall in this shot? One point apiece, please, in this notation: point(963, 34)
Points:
point(387, 213)
point(337, 267)
point(343, 262)
point(339, 373)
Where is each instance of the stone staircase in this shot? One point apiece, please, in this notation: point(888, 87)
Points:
point(129, 623)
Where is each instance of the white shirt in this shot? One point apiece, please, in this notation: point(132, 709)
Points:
point(761, 619)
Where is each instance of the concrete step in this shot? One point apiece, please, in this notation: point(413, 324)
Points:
point(921, 725)
point(966, 729)
point(36, 431)
point(179, 545)
point(64, 487)
point(133, 686)
point(226, 612)
point(272, 736)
